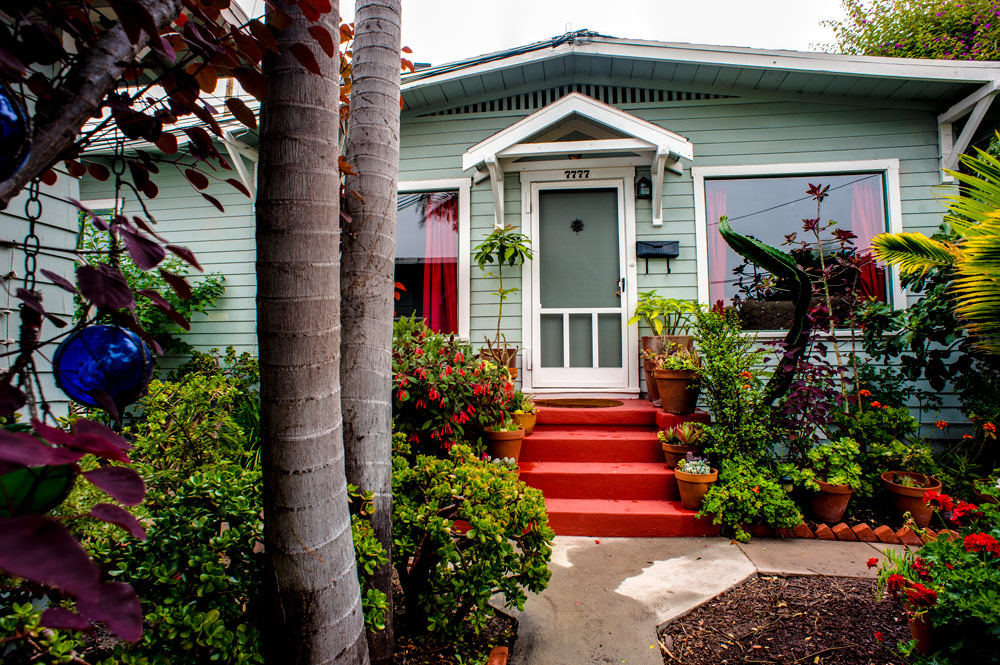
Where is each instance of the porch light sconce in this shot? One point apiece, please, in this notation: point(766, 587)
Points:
point(576, 226)
point(643, 189)
point(657, 249)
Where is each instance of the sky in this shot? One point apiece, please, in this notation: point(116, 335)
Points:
point(441, 31)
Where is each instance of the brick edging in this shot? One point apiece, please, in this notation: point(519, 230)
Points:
point(498, 656)
point(864, 533)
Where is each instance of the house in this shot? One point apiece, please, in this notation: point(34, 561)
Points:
point(591, 144)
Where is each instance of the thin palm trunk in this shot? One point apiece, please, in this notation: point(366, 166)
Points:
point(314, 603)
point(369, 242)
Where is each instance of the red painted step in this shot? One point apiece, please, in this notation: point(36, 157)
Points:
point(625, 518)
point(631, 412)
point(594, 480)
point(588, 443)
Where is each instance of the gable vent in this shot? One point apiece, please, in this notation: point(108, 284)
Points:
point(609, 94)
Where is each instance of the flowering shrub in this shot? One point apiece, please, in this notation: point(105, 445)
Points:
point(747, 495)
point(954, 581)
point(442, 395)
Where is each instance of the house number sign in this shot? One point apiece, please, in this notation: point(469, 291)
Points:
point(581, 174)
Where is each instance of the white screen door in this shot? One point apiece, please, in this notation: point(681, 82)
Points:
point(579, 303)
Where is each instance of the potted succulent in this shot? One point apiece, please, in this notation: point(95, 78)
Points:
point(525, 412)
point(504, 440)
point(833, 475)
point(679, 441)
point(907, 489)
point(675, 373)
point(502, 246)
point(694, 478)
point(668, 319)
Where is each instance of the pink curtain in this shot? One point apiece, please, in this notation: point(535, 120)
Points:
point(867, 221)
point(440, 304)
point(718, 272)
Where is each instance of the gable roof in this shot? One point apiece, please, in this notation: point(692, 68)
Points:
point(586, 55)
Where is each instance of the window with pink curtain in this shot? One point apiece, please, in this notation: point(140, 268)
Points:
point(427, 258)
point(772, 208)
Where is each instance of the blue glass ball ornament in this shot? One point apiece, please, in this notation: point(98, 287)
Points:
point(15, 134)
point(105, 359)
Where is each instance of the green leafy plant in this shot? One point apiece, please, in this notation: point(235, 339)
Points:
point(507, 425)
point(664, 316)
point(448, 573)
point(441, 394)
point(748, 494)
point(523, 403)
point(25, 641)
point(678, 358)
point(502, 246)
point(835, 462)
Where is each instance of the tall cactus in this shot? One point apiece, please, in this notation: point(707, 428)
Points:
point(783, 267)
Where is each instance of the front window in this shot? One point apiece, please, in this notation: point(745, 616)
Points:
point(427, 258)
point(770, 209)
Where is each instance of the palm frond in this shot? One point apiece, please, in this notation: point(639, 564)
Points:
point(913, 253)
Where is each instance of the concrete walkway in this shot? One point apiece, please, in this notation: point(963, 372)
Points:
point(607, 596)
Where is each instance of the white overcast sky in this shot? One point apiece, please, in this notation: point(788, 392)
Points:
point(441, 31)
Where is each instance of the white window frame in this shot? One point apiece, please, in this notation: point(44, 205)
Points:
point(464, 187)
point(889, 168)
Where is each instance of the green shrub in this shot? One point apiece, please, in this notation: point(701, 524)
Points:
point(746, 495)
point(447, 573)
point(198, 573)
point(24, 642)
point(834, 462)
point(442, 395)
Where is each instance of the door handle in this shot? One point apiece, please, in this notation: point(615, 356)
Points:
point(621, 287)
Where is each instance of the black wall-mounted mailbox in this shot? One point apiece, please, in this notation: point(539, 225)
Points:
point(657, 249)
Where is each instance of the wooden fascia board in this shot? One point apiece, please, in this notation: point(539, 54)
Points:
point(574, 147)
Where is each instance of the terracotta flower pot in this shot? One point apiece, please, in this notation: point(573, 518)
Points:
point(657, 344)
point(652, 391)
point(504, 444)
point(525, 421)
point(678, 390)
point(920, 629)
point(911, 499)
point(980, 497)
point(673, 453)
point(694, 486)
point(830, 502)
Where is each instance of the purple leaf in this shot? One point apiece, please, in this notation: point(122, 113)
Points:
point(24, 449)
point(177, 283)
point(214, 201)
point(163, 304)
point(53, 435)
point(32, 301)
point(105, 287)
point(119, 516)
point(123, 485)
point(60, 281)
point(42, 550)
point(11, 399)
point(187, 255)
point(118, 606)
point(59, 618)
point(146, 253)
point(105, 402)
point(95, 438)
point(141, 223)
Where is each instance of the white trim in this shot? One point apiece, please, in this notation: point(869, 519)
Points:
point(622, 178)
point(580, 105)
point(950, 159)
point(893, 201)
point(464, 188)
point(721, 56)
point(592, 146)
point(103, 204)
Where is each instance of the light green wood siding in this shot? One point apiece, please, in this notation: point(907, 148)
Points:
point(56, 228)
point(223, 243)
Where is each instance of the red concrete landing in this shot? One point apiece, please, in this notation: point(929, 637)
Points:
point(602, 472)
point(666, 420)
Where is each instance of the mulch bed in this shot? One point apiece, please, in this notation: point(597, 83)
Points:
point(789, 621)
point(500, 631)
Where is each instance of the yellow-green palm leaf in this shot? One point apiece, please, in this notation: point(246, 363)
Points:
point(913, 252)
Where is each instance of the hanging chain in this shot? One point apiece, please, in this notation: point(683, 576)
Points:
point(32, 243)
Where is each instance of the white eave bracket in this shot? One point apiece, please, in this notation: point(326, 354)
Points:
point(976, 104)
point(496, 181)
point(237, 150)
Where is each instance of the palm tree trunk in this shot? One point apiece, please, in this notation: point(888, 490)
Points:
point(368, 245)
point(314, 604)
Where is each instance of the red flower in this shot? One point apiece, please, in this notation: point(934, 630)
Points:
point(420, 373)
point(461, 372)
point(447, 370)
point(896, 582)
point(419, 352)
point(865, 393)
point(920, 596)
point(990, 427)
point(963, 510)
point(938, 501)
point(872, 562)
point(877, 405)
point(920, 568)
point(421, 404)
point(756, 489)
point(459, 358)
point(941, 424)
point(746, 375)
point(878, 636)
point(982, 542)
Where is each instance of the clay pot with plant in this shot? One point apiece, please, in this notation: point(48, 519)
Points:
point(675, 373)
point(504, 440)
point(669, 319)
point(677, 442)
point(833, 473)
point(524, 413)
point(502, 246)
point(907, 490)
point(695, 478)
